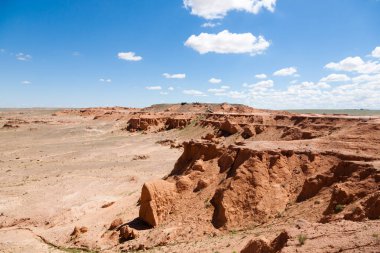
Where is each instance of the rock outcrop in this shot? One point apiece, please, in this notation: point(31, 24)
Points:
point(156, 201)
point(262, 245)
point(252, 187)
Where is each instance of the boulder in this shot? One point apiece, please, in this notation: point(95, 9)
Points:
point(262, 245)
point(202, 183)
point(116, 223)
point(127, 233)
point(208, 136)
point(156, 201)
point(184, 183)
point(229, 128)
point(248, 132)
point(225, 162)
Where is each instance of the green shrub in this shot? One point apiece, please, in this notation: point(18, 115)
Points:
point(339, 208)
point(302, 239)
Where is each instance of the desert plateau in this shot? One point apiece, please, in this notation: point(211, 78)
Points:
point(189, 126)
point(188, 178)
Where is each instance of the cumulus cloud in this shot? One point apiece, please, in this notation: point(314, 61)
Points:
point(26, 82)
point(347, 64)
point(262, 85)
point(222, 89)
point(361, 90)
point(174, 76)
point(261, 76)
point(215, 80)
point(129, 56)
point(216, 90)
point(108, 80)
point(210, 24)
point(196, 93)
point(309, 86)
point(227, 43)
point(237, 94)
point(366, 78)
point(335, 78)
point(23, 57)
point(164, 93)
point(171, 88)
point(153, 88)
point(355, 64)
point(286, 72)
point(376, 52)
point(217, 9)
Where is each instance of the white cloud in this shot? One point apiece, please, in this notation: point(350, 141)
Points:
point(261, 76)
point(355, 64)
point(215, 80)
point(222, 89)
point(366, 78)
point(26, 82)
point(153, 88)
point(23, 57)
point(171, 88)
point(164, 93)
point(76, 53)
point(216, 90)
point(307, 86)
point(362, 90)
point(217, 9)
point(108, 80)
point(376, 52)
point(129, 56)
point(336, 78)
point(174, 76)
point(210, 24)
point(237, 94)
point(286, 72)
point(194, 93)
point(227, 43)
point(262, 85)
point(348, 64)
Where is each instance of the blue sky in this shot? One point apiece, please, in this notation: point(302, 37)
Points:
point(280, 54)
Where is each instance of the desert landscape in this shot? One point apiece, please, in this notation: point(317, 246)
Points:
point(188, 177)
point(189, 126)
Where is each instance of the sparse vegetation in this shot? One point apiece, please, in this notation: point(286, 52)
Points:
point(376, 237)
point(233, 232)
point(302, 239)
point(279, 215)
point(339, 208)
point(207, 203)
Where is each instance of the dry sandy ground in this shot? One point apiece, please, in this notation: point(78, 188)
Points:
point(57, 175)
point(67, 171)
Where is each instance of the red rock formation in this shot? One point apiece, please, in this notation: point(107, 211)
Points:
point(262, 245)
point(252, 187)
point(156, 201)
